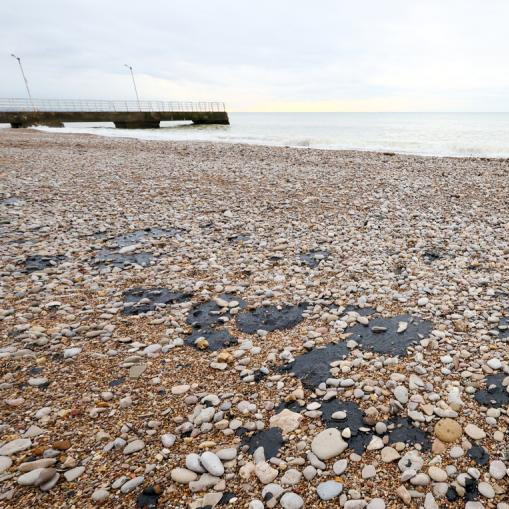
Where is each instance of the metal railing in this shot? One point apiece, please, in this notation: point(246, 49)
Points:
point(15, 105)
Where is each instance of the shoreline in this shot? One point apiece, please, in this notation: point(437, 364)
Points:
point(261, 144)
point(135, 276)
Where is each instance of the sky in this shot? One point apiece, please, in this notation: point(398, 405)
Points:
point(258, 55)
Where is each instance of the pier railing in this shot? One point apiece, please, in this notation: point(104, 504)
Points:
point(15, 105)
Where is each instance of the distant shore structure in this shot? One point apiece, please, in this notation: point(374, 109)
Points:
point(124, 114)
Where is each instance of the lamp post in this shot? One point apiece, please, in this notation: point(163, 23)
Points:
point(24, 79)
point(134, 84)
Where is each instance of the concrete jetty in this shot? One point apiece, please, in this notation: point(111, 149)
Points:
point(124, 114)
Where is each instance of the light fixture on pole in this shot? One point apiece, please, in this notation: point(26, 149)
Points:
point(134, 84)
point(24, 79)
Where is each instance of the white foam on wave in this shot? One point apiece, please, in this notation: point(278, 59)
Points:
point(452, 134)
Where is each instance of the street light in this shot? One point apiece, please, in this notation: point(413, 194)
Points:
point(24, 79)
point(134, 84)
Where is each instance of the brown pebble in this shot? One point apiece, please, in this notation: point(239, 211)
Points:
point(447, 430)
point(62, 445)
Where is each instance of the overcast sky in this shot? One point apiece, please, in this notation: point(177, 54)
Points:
point(258, 55)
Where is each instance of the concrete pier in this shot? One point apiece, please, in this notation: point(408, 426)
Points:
point(124, 114)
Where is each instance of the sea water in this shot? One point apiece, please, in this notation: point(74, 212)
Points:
point(430, 134)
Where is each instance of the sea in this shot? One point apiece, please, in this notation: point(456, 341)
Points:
point(427, 134)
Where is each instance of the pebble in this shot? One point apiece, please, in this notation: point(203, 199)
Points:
point(183, 475)
point(329, 489)
point(141, 381)
point(5, 463)
point(497, 469)
point(430, 502)
point(389, 454)
point(286, 420)
point(291, 500)
point(368, 472)
point(291, 477)
point(134, 446)
point(376, 503)
point(168, 439)
point(340, 466)
point(437, 474)
point(212, 463)
point(474, 432)
point(37, 381)
point(265, 473)
point(180, 389)
point(328, 444)
point(100, 495)
point(73, 474)
point(401, 394)
point(447, 430)
point(132, 484)
point(36, 477)
point(494, 363)
point(137, 370)
point(15, 446)
point(486, 489)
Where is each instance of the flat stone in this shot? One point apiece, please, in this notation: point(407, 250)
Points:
point(183, 475)
point(486, 489)
point(49, 485)
point(73, 474)
point(62, 445)
point(180, 389)
point(134, 446)
point(474, 432)
point(69, 353)
point(36, 477)
point(389, 454)
point(286, 420)
point(34, 431)
point(5, 463)
point(340, 466)
point(40, 463)
point(328, 444)
point(329, 489)
point(137, 370)
point(401, 394)
point(37, 381)
point(14, 446)
point(498, 469)
point(132, 484)
point(368, 472)
point(494, 363)
point(447, 430)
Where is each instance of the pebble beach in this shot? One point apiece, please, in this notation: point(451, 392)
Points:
point(206, 325)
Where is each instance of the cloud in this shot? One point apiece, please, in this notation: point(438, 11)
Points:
point(341, 55)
